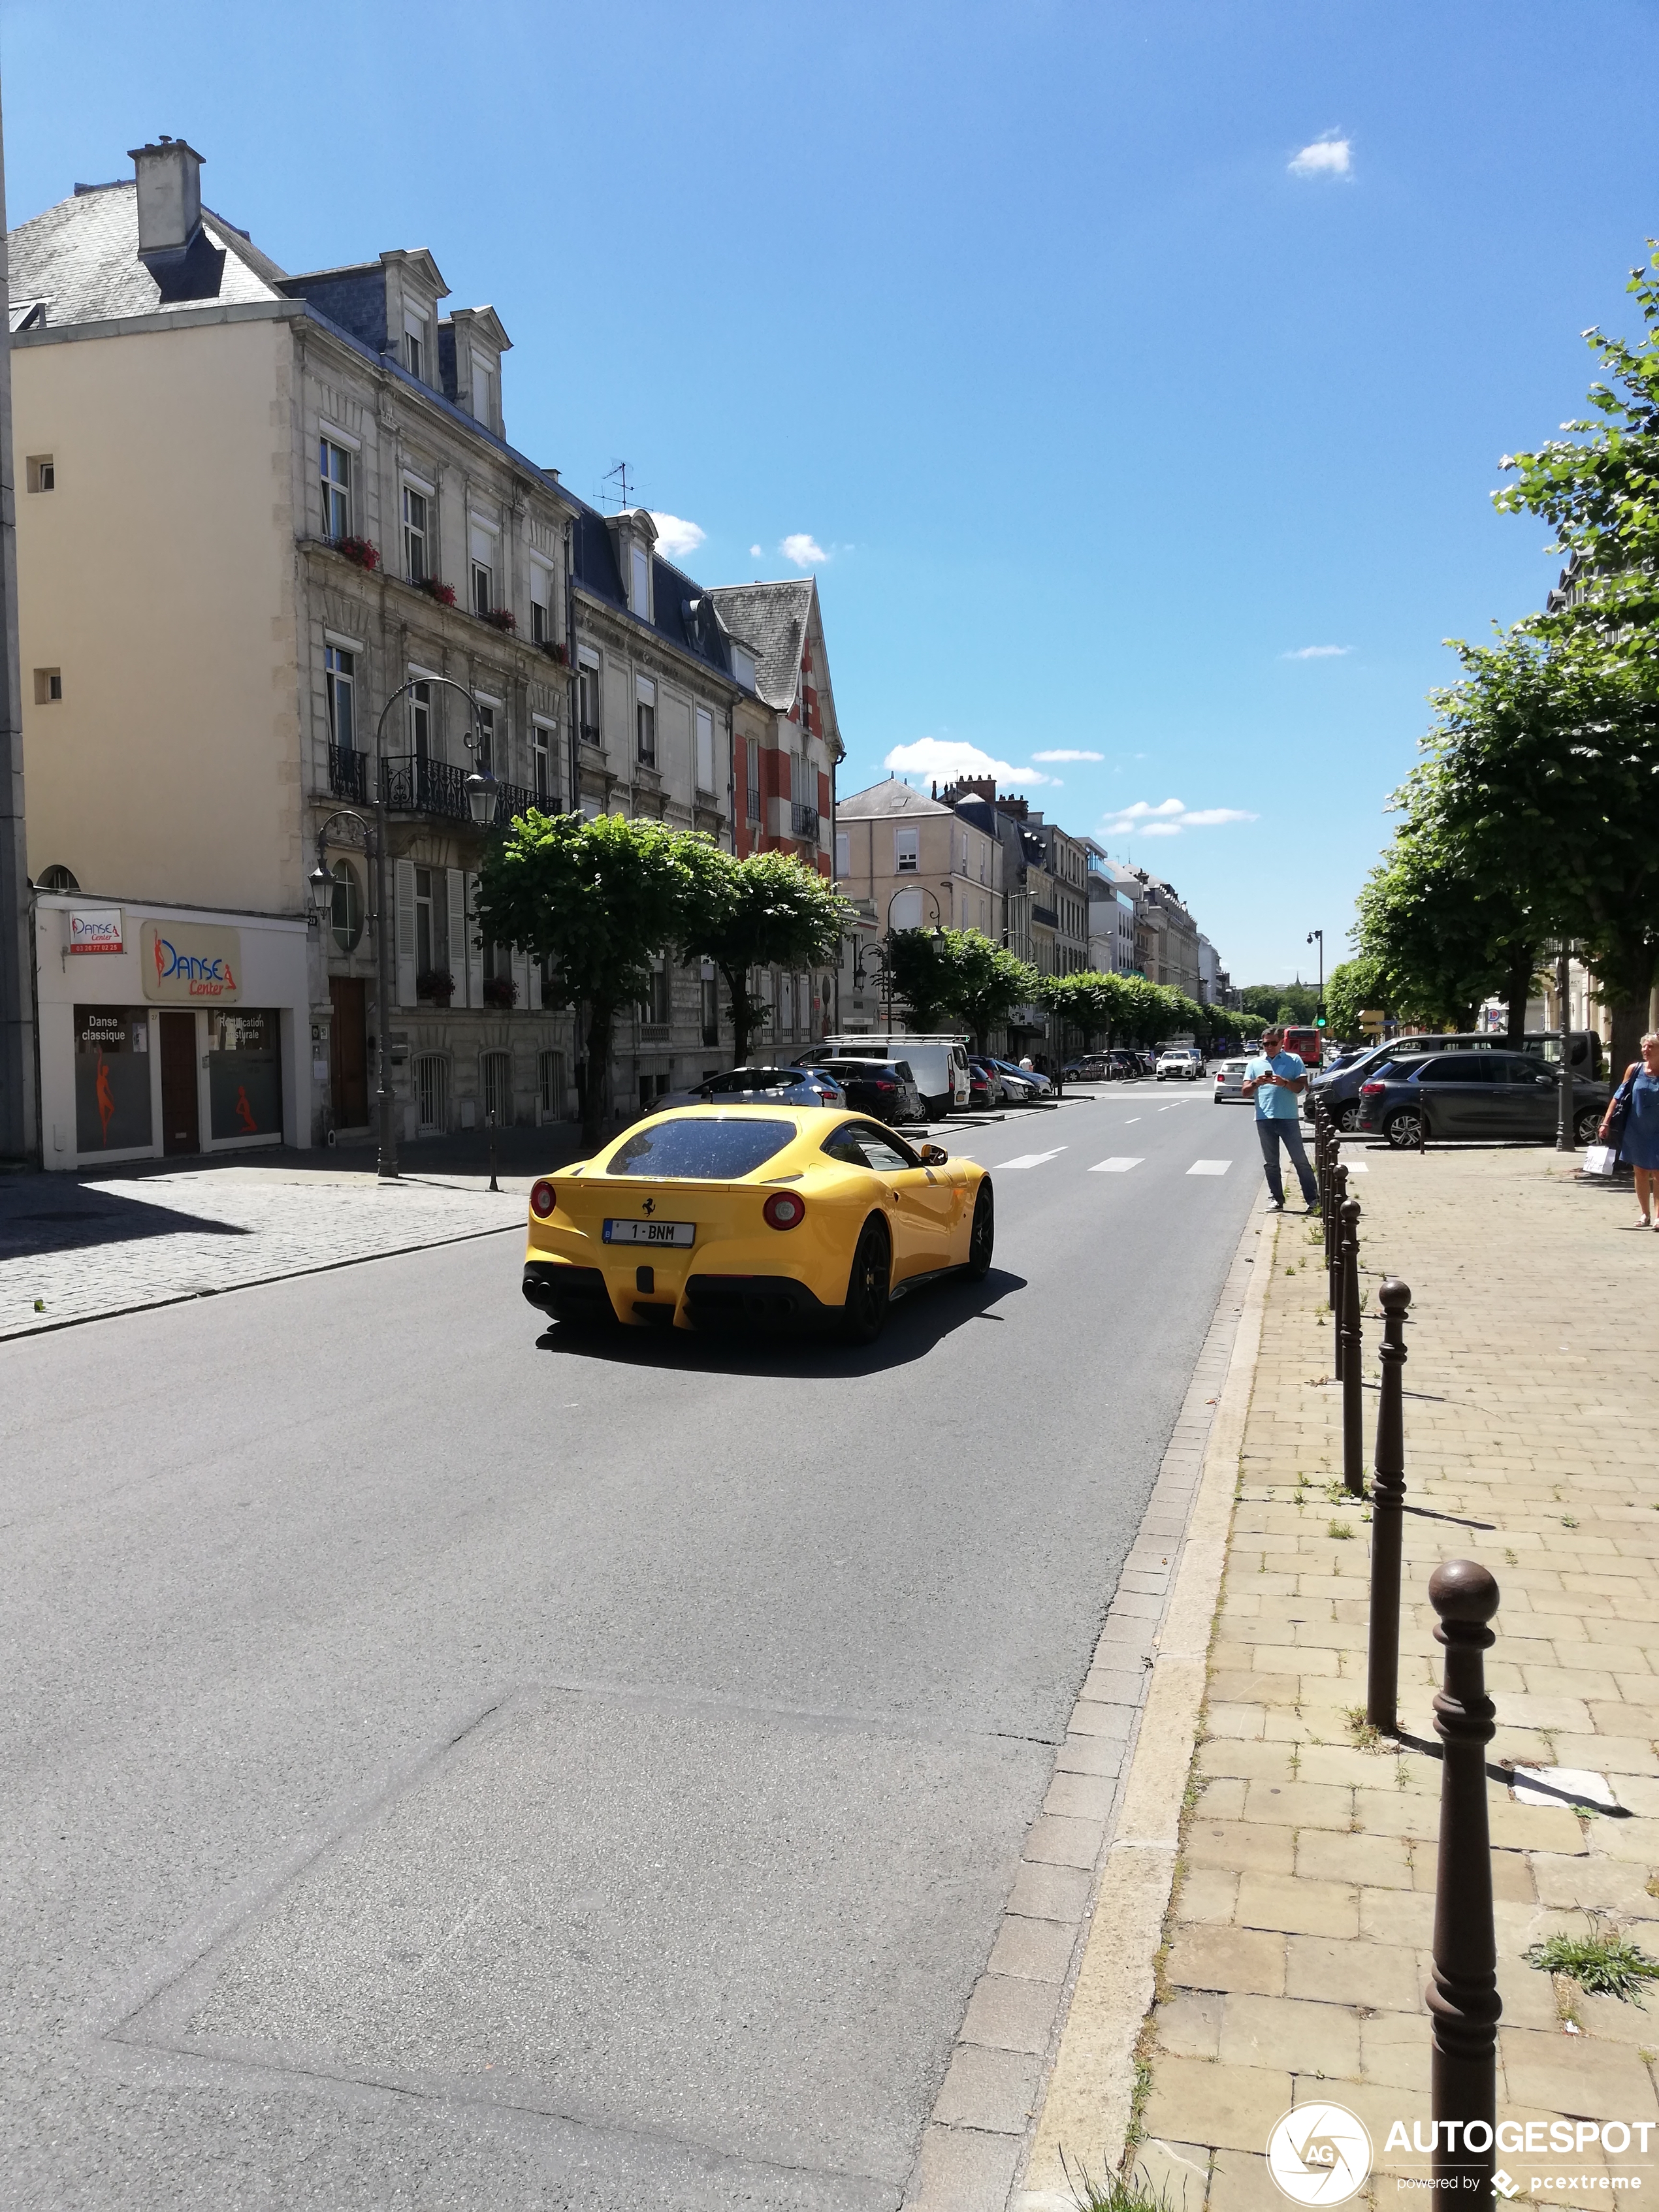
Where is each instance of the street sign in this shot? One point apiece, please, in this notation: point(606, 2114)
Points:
point(1372, 1019)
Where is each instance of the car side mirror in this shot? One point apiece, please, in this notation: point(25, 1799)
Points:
point(934, 1156)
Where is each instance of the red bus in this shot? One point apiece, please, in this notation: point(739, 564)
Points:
point(1307, 1044)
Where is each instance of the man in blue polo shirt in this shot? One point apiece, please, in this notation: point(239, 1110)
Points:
point(1276, 1080)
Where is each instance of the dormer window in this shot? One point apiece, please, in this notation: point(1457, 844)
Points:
point(743, 668)
point(483, 391)
point(640, 584)
point(417, 356)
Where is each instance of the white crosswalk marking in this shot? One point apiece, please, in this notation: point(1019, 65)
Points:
point(1209, 1167)
point(1030, 1159)
point(1358, 1167)
point(1113, 1167)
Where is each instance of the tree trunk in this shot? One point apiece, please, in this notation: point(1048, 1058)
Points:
point(1625, 980)
point(1519, 966)
point(739, 986)
point(599, 1067)
point(1629, 1019)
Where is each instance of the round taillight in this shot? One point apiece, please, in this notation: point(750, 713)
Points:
point(541, 1200)
point(783, 1210)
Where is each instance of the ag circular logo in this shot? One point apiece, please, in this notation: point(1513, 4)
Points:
point(1319, 2155)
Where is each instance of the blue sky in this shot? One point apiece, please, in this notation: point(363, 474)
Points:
point(1108, 428)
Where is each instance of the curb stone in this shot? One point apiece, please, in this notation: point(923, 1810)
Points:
point(1069, 1979)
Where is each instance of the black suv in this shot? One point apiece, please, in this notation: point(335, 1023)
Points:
point(1339, 1087)
point(883, 1089)
point(1492, 1095)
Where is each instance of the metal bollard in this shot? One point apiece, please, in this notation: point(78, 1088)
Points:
point(1464, 2006)
point(1333, 1245)
point(1351, 1352)
point(1387, 1497)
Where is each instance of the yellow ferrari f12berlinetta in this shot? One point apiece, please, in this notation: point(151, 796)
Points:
point(712, 1214)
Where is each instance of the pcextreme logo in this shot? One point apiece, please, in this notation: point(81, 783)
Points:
point(1319, 2154)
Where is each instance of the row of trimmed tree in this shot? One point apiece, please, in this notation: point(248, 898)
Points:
point(1532, 819)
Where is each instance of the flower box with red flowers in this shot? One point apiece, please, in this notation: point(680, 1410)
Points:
point(363, 551)
point(503, 618)
point(501, 991)
point(444, 593)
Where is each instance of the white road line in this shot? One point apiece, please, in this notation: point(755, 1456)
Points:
point(1113, 1167)
point(1030, 1160)
point(1132, 1118)
point(1358, 1167)
point(1209, 1167)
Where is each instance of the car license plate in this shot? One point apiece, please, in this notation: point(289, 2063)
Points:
point(650, 1232)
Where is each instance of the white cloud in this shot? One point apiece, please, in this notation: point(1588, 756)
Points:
point(755, 553)
point(1317, 652)
point(1168, 818)
point(676, 537)
point(802, 549)
point(945, 759)
point(1064, 754)
point(1329, 156)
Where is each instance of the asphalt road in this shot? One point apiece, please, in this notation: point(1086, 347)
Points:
point(446, 1765)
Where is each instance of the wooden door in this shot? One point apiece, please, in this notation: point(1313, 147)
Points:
point(181, 1130)
point(347, 1051)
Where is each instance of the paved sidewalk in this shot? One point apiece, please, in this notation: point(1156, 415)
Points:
point(1295, 1945)
point(74, 1251)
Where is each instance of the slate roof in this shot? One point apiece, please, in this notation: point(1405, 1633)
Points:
point(880, 801)
point(82, 259)
point(772, 620)
point(682, 607)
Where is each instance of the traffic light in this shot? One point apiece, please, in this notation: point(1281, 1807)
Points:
point(1319, 1015)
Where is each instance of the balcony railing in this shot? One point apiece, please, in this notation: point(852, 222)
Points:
point(347, 773)
point(803, 820)
point(1045, 915)
point(411, 785)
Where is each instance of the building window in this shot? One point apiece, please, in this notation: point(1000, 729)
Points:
point(334, 465)
point(346, 915)
point(705, 749)
point(653, 1007)
point(709, 989)
point(541, 763)
point(484, 585)
point(843, 854)
point(431, 932)
point(418, 523)
point(541, 603)
point(587, 686)
point(496, 1069)
point(645, 719)
point(640, 600)
point(907, 852)
point(753, 752)
point(415, 346)
point(48, 686)
point(905, 912)
point(484, 736)
point(340, 686)
point(57, 877)
point(419, 720)
point(549, 1085)
point(42, 472)
point(743, 668)
point(432, 1094)
point(483, 405)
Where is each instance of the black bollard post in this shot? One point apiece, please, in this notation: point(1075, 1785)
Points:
point(490, 1119)
point(1464, 2006)
point(1332, 1244)
point(1350, 1349)
point(1388, 1496)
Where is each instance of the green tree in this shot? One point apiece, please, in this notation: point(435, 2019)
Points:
point(765, 910)
point(602, 899)
point(919, 972)
point(1544, 763)
point(1421, 925)
point(1350, 988)
point(1293, 1003)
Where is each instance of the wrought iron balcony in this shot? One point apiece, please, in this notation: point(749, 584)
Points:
point(412, 785)
point(803, 820)
point(1046, 915)
point(347, 773)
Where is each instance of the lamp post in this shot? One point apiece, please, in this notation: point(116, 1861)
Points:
point(1564, 1100)
point(482, 793)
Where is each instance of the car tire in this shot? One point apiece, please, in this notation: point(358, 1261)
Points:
point(1404, 1130)
point(865, 1314)
point(1348, 1117)
point(982, 1236)
point(1587, 1126)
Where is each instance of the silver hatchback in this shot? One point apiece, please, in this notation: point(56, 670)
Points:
point(1230, 1082)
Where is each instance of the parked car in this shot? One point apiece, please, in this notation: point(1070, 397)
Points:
point(1339, 1087)
point(937, 1064)
point(883, 1088)
point(986, 1088)
point(759, 1086)
point(1230, 1082)
point(1022, 1085)
point(1125, 1066)
point(1181, 1063)
point(1093, 1067)
point(1490, 1095)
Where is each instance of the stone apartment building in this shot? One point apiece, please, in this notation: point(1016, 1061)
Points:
point(1113, 907)
point(277, 557)
point(1166, 935)
point(908, 861)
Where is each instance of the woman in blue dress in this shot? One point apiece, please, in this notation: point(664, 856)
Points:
point(1638, 1147)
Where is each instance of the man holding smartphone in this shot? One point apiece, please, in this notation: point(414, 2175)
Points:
point(1276, 1080)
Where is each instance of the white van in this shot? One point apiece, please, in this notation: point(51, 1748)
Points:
point(939, 1064)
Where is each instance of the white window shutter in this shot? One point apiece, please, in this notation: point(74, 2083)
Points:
point(521, 976)
point(474, 950)
point(404, 871)
point(456, 887)
point(534, 999)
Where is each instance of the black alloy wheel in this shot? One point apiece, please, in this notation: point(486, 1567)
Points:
point(865, 1314)
point(982, 1236)
point(1404, 1130)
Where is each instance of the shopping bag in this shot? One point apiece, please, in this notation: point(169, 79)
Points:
point(1601, 1159)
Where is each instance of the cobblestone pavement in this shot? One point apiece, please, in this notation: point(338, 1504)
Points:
point(1296, 1944)
point(74, 1251)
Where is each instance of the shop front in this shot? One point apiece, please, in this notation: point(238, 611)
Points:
point(168, 1033)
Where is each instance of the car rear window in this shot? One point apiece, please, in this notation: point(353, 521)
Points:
point(688, 1149)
